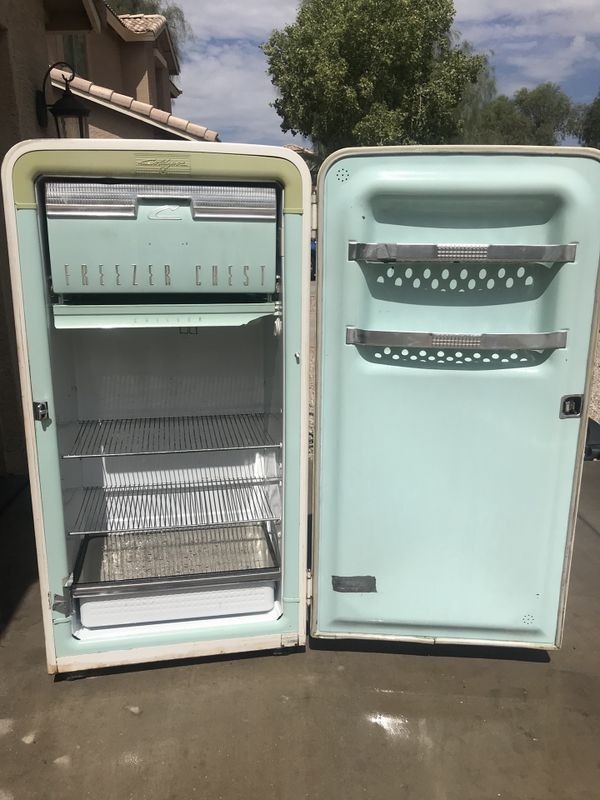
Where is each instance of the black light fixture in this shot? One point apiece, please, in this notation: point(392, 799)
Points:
point(70, 115)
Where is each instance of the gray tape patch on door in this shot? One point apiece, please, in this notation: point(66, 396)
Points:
point(353, 583)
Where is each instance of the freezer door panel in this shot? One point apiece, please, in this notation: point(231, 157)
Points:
point(455, 316)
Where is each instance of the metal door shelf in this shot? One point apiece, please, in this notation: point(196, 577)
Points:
point(171, 558)
point(162, 435)
point(178, 507)
point(387, 252)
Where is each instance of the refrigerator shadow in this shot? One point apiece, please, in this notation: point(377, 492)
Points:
point(18, 567)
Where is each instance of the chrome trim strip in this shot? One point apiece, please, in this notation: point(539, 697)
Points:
point(381, 252)
point(553, 340)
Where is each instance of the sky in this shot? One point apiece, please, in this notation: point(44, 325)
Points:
point(225, 85)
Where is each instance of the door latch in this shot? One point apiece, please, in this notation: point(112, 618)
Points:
point(40, 411)
point(571, 406)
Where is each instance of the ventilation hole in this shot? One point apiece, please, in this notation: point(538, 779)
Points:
point(449, 358)
point(416, 283)
point(490, 284)
point(486, 360)
point(398, 281)
point(464, 273)
point(482, 273)
point(472, 283)
point(395, 356)
point(468, 359)
point(453, 284)
point(504, 360)
point(520, 272)
point(509, 283)
point(476, 355)
point(427, 273)
point(495, 356)
point(528, 619)
point(377, 355)
point(501, 272)
point(387, 350)
point(458, 362)
point(435, 283)
point(390, 272)
point(528, 280)
point(522, 359)
point(413, 358)
point(445, 274)
point(514, 356)
point(408, 272)
point(440, 353)
point(404, 352)
point(380, 279)
point(458, 354)
point(422, 352)
point(342, 175)
point(430, 358)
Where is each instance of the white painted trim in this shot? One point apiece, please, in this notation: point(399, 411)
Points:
point(438, 640)
point(90, 10)
point(147, 655)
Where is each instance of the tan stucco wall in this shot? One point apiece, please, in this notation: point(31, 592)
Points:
point(104, 60)
point(23, 61)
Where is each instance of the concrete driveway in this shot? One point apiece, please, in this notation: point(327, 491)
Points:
point(334, 722)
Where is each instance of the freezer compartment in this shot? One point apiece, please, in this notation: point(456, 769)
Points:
point(161, 237)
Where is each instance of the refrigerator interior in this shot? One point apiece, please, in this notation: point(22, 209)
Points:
point(171, 470)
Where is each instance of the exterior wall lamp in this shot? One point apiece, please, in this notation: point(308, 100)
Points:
point(70, 115)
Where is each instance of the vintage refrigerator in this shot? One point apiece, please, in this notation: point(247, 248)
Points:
point(162, 295)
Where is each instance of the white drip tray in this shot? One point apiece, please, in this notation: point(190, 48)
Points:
point(165, 607)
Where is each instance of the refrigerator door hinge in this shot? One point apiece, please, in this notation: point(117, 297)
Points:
point(309, 587)
point(313, 215)
point(62, 602)
point(289, 640)
point(40, 410)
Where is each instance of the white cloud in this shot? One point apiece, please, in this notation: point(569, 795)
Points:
point(226, 88)
point(238, 19)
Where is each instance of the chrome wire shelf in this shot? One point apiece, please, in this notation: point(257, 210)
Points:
point(154, 508)
point(161, 435)
point(168, 554)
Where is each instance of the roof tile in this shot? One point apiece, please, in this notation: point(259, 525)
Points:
point(144, 23)
point(122, 102)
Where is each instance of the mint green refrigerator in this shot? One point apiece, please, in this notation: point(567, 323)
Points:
point(162, 298)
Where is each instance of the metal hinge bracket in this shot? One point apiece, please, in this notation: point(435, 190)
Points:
point(40, 410)
point(309, 587)
point(313, 215)
point(62, 602)
point(289, 639)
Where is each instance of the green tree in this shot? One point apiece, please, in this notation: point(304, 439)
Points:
point(179, 27)
point(544, 115)
point(370, 72)
point(475, 98)
point(590, 124)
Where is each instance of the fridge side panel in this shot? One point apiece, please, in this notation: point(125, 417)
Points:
point(15, 255)
point(447, 480)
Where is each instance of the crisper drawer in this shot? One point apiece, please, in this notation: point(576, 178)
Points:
point(129, 237)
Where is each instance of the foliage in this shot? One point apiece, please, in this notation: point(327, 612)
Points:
point(544, 115)
point(370, 72)
point(179, 27)
point(475, 97)
point(590, 124)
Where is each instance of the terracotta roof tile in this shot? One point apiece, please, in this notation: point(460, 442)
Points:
point(123, 103)
point(144, 23)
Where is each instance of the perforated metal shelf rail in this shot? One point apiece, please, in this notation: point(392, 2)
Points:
point(152, 508)
point(110, 563)
point(117, 437)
